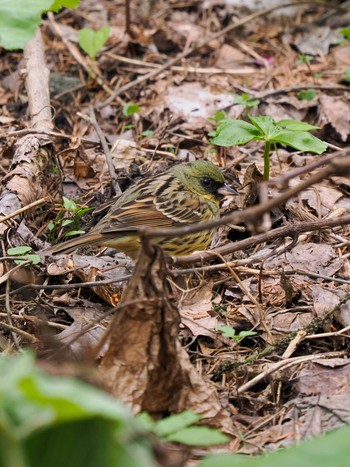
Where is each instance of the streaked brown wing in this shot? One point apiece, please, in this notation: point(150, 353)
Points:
point(169, 208)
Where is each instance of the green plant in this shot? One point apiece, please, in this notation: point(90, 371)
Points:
point(305, 58)
point(130, 109)
point(246, 100)
point(22, 252)
point(347, 75)
point(287, 132)
point(60, 421)
point(229, 332)
point(92, 41)
point(328, 450)
point(147, 133)
point(43, 419)
point(307, 95)
point(179, 428)
point(68, 220)
point(345, 32)
point(20, 19)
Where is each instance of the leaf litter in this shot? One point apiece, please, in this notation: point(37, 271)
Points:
point(288, 286)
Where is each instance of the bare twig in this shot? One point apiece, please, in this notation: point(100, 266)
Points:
point(24, 209)
point(107, 153)
point(287, 230)
point(283, 364)
point(37, 84)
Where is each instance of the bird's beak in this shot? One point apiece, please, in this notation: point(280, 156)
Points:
point(226, 190)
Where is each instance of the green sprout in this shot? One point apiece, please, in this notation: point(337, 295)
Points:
point(229, 332)
point(291, 133)
point(22, 252)
point(93, 41)
point(68, 219)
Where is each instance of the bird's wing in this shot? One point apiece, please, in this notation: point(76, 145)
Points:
point(168, 207)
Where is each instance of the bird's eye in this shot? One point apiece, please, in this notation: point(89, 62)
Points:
point(207, 182)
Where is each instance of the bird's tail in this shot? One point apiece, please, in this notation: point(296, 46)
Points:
point(70, 245)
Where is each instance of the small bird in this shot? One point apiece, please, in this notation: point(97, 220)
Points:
point(185, 194)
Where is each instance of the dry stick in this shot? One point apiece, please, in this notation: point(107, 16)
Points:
point(286, 364)
point(38, 89)
point(79, 285)
point(184, 54)
point(25, 208)
point(339, 166)
point(18, 331)
point(9, 316)
point(107, 153)
point(329, 334)
point(287, 230)
point(315, 275)
point(283, 180)
point(288, 89)
point(187, 69)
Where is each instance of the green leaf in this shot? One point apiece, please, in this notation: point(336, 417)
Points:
point(328, 450)
point(66, 222)
point(243, 334)
point(18, 250)
point(19, 20)
point(69, 205)
point(92, 41)
point(35, 259)
point(302, 141)
point(219, 116)
point(307, 95)
point(245, 99)
point(51, 226)
point(74, 232)
point(147, 133)
point(345, 32)
point(296, 125)
point(174, 423)
point(43, 419)
point(199, 436)
point(146, 420)
point(347, 75)
point(227, 331)
point(234, 132)
point(130, 109)
point(266, 125)
point(59, 4)
point(305, 58)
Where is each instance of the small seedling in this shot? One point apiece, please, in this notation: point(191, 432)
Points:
point(347, 75)
point(68, 220)
point(180, 428)
point(130, 109)
point(246, 100)
point(93, 41)
point(305, 59)
point(307, 95)
point(229, 332)
point(22, 252)
point(147, 133)
point(345, 32)
point(291, 133)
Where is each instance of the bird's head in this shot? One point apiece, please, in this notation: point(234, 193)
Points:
point(203, 178)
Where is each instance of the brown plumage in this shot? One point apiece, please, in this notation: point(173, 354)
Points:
point(185, 194)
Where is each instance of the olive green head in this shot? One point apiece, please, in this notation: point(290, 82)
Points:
point(201, 177)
